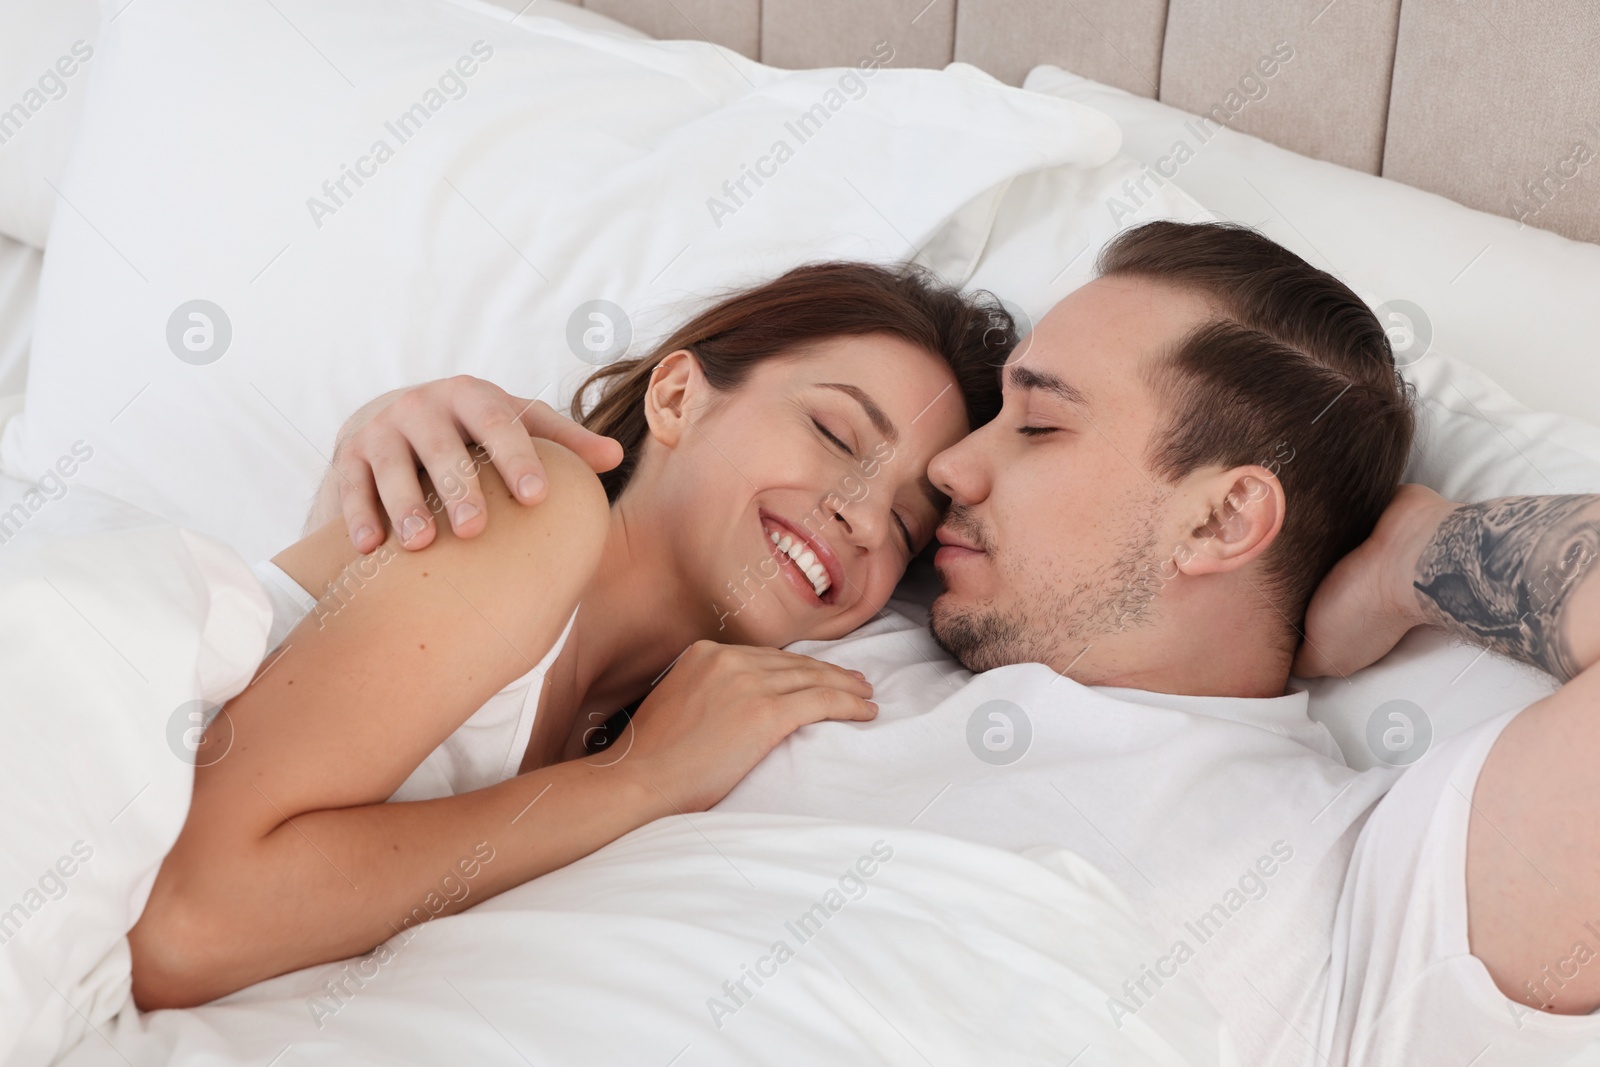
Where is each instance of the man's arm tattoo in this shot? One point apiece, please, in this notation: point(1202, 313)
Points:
point(1501, 572)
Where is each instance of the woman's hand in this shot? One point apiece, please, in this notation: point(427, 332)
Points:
point(721, 709)
point(379, 448)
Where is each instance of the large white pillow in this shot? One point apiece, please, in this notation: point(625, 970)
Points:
point(20, 265)
point(47, 54)
point(1524, 309)
point(113, 644)
point(568, 167)
point(29, 165)
point(44, 50)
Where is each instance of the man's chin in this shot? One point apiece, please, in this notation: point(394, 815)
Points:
point(980, 640)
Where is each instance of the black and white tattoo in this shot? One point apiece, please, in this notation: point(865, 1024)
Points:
point(1499, 574)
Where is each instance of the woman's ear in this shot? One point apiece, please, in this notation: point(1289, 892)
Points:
point(674, 383)
point(1246, 512)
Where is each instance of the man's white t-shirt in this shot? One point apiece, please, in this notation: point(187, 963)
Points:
point(1230, 823)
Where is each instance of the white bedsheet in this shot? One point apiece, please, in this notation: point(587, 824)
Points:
point(918, 949)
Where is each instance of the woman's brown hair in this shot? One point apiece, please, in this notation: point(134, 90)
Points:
point(973, 334)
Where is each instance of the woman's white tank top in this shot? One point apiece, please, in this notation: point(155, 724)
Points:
point(486, 749)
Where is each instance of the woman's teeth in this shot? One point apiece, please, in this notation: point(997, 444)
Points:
point(805, 559)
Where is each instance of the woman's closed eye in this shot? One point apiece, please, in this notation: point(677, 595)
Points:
point(833, 438)
point(899, 520)
point(1036, 431)
point(905, 532)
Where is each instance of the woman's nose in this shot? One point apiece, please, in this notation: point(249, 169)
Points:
point(861, 521)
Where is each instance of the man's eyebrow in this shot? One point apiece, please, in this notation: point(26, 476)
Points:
point(875, 414)
point(1028, 378)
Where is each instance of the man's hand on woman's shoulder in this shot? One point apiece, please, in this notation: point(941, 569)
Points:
point(375, 483)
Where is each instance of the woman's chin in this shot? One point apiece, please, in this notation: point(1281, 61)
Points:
point(746, 625)
point(776, 630)
point(841, 625)
point(766, 620)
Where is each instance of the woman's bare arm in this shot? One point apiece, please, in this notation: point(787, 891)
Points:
point(289, 855)
point(229, 910)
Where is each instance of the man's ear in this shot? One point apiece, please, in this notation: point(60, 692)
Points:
point(675, 381)
point(1246, 508)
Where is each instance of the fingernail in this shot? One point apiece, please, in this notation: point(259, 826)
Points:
point(529, 485)
point(363, 535)
point(410, 527)
point(466, 513)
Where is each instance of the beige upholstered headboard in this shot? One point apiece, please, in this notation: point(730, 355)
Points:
point(1493, 103)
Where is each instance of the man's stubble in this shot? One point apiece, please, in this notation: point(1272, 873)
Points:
point(1052, 622)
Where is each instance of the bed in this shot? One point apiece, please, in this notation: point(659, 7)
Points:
point(123, 437)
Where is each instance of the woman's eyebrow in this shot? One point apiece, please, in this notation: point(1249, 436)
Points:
point(875, 414)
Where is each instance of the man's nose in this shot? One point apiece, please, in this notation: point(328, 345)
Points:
point(957, 472)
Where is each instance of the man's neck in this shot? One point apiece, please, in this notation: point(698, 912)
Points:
point(1267, 677)
point(1213, 641)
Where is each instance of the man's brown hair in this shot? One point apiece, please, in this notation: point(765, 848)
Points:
point(1294, 371)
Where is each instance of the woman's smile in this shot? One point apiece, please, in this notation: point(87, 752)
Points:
point(806, 560)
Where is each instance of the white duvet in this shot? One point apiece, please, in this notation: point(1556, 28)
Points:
point(718, 938)
point(726, 939)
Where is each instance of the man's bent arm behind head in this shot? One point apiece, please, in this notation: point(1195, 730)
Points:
point(1513, 574)
point(1517, 575)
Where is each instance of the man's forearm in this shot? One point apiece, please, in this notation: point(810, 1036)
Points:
point(325, 505)
point(1516, 574)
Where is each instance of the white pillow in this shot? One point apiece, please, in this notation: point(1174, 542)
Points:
point(33, 39)
point(47, 55)
point(1525, 309)
point(20, 265)
point(1050, 225)
point(573, 167)
point(29, 164)
point(108, 643)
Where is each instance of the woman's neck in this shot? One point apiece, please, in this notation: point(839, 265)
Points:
point(636, 618)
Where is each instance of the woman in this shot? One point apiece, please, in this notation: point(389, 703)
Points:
point(772, 489)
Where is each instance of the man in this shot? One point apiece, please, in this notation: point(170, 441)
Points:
point(1192, 445)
